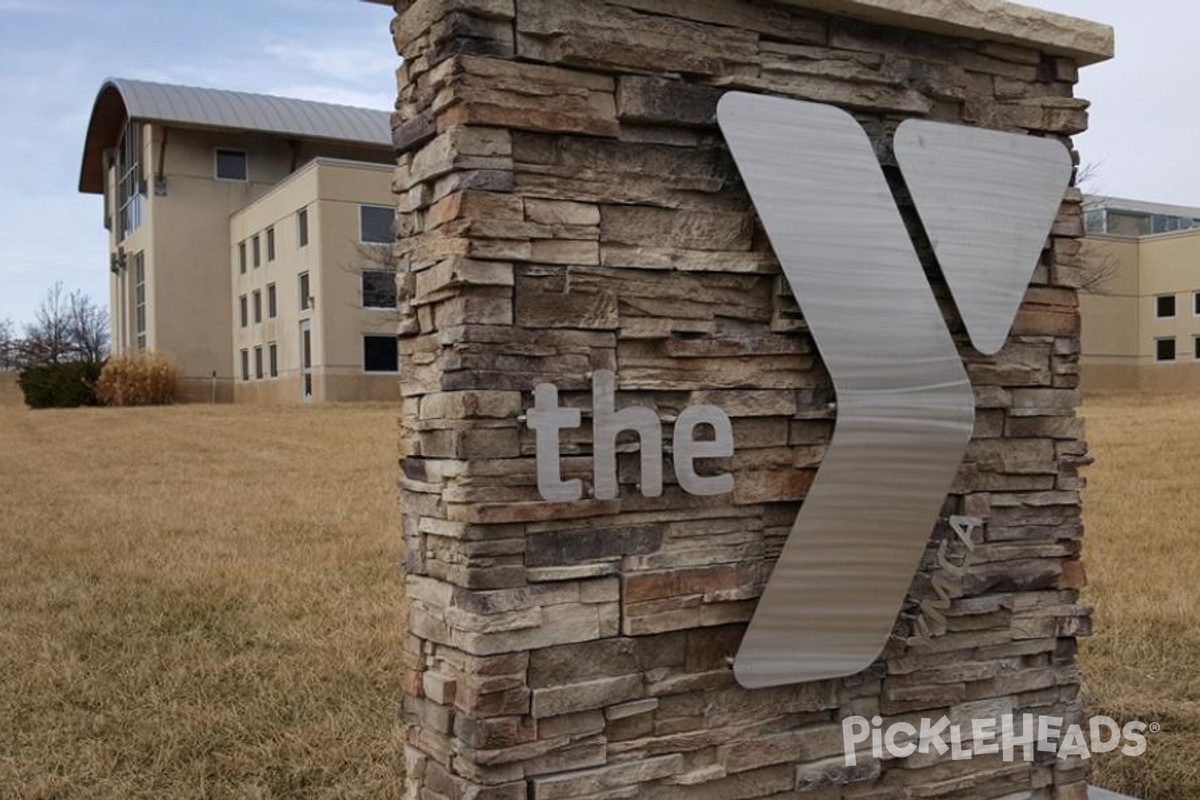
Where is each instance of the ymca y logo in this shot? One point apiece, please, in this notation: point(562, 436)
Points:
point(906, 409)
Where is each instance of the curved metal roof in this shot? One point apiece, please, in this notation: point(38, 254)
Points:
point(120, 99)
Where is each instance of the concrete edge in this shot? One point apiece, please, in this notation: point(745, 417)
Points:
point(993, 20)
point(1096, 793)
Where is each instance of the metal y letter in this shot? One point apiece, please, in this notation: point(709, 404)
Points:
point(988, 200)
point(905, 405)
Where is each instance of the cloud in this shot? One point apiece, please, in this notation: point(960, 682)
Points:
point(292, 48)
point(348, 63)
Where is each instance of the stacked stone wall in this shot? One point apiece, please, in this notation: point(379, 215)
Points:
point(566, 206)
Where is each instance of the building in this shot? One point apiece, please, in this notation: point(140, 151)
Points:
point(194, 180)
point(1141, 313)
point(314, 309)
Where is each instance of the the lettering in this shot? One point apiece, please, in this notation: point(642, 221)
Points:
point(547, 419)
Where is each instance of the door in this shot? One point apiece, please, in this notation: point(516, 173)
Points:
point(306, 360)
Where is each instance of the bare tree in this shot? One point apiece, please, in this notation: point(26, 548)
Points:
point(87, 327)
point(8, 346)
point(65, 327)
point(1100, 266)
point(48, 339)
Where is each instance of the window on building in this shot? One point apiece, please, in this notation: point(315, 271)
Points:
point(131, 187)
point(381, 354)
point(378, 289)
point(270, 244)
point(1165, 223)
point(232, 165)
point(305, 295)
point(106, 160)
point(1164, 349)
point(258, 363)
point(257, 306)
point(272, 305)
point(1164, 306)
point(1128, 223)
point(139, 298)
point(245, 364)
point(256, 246)
point(1196, 303)
point(273, 359)
point(244, 314)
point(302, 226)
point(242, 257)
point(375, 224)
point(1196, 347)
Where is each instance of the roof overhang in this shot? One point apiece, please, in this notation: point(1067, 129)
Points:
point(120, 100)
point(104, 129)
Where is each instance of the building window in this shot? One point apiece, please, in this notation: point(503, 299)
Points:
point(231, 165)
point(257, 248)
point(106, 159)
point(1164, 349)
point(305, 295)
point(378, 289)
point(245, 365)
point(375, 224)
point(1164, 306)
point(139, 298)
point(272, 306)
point(381, 354)
point(1127, 223)
point(242, 257)
point(270, 244)
point(1196, 347)
point(131, 187)
point(244, 314)
point(258, 363)
point(257, 306)
point(1196, 303)
point(302, 226)
point(273, 359)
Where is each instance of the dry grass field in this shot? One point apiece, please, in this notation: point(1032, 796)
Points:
point(201, 602)
point(198, 602)
point(1142, 551)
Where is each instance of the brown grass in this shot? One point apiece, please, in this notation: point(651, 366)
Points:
point(198, 602)
point(1142, 551)
point(202, 602)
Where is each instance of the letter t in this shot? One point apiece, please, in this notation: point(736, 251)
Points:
point(546, 419)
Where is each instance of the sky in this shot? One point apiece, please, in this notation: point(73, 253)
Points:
point(54, 55)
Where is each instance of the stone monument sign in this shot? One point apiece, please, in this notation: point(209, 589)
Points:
point(740, 366)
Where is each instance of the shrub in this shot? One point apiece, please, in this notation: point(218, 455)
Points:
point(67, 384)
point(146, 379)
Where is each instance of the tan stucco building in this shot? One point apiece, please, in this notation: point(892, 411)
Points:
point(1141, 315)
point(314, 299)
point(190, 176)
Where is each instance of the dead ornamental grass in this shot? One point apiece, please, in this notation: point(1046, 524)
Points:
point(1142, 551)
point(138, 379)
point(198, 602)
